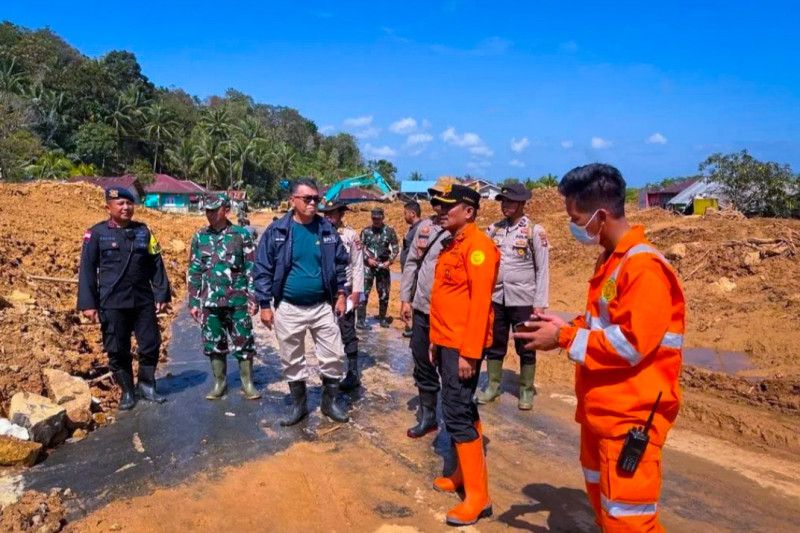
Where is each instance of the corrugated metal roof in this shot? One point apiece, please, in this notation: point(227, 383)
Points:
point(699, 188)
point(163, 183)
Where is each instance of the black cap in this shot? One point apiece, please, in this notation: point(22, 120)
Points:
point(117, 193)
point(334, 206)
point(515, 192)
point(460, 194)
point(377, 212)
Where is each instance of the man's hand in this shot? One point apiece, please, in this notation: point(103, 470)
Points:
point(405, 312)
point(466, 367)
point(341, 305)
point(433, 355)
point(539, 311)
point(544, 332)
point(355, 297)
point(267, 318)
point(372, 262)
point(162, 307)
point(92, 315)
point(252, 308)
point(386, 264)
point(197, 314)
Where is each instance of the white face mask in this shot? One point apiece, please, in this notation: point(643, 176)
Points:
point(581, 234)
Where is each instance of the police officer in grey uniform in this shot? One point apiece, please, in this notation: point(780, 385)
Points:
point(122, 282)
point(522, 288)
point(355, 280)
point(415, 297)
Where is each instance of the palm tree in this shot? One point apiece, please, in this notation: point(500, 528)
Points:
point(11, 80)
point(48, 107)
point(159, 125)
point(210, 159)
point(181, 157)
point(215, 122)
point(282, 157)
point(50, 165)
point(247, 144)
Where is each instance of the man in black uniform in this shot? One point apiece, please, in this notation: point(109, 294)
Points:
point(122, 284)
point(411, 214)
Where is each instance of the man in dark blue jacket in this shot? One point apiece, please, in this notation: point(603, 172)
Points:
point(300, 278)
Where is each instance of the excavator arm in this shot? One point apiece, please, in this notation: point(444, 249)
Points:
point(372, 179)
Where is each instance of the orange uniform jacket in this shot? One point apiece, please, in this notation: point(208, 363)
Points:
point(461, 298)
point(628, 344)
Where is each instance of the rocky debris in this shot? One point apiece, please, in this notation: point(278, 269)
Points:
point(18, 452)
point(35, 511)
point(725, 285)
point(751, 259)
point(19, 297)
point(676, 252)
point(8, 429)
point(72, 393)
point(44, 419)
point(177, 246)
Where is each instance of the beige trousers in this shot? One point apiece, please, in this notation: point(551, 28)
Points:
point(291, 324)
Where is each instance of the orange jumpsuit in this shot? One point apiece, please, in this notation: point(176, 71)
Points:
point(627, 349)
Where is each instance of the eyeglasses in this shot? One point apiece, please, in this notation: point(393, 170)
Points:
point(309, 199)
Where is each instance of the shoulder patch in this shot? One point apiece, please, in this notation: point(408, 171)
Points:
point(87, 235)
point(425, 230)
point(477, 257)
point(153, 248)
point(543, 238)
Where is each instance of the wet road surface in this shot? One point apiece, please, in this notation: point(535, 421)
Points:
point(534, 474)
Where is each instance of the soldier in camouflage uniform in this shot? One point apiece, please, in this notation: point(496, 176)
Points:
point(380, 250)
point(221, 294)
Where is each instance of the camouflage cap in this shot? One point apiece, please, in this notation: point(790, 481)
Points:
point(377, 212)
point(215, 201)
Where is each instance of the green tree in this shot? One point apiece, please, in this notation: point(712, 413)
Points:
point(83, 169)
point(754, 187)
point(141, 169)
point(159, 126)
point(180, 158)
point(209, 160)
point(95, 143)
point(50, 165)
point(508, 181)
point(386, 169)
point(415, 176)
point(12, 80)
point(18, 150)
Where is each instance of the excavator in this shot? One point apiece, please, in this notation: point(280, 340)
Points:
point(371, 179)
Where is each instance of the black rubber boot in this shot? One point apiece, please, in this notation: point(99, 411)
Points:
point(427, 418)
point(124, 379)
point(361, 320)
point(330, 388)
point(219, 368)
point(382, 320)
point(147, 385)
point(299, 405)
point(352, 380)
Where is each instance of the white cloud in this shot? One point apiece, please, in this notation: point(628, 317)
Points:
point(358, 122)
point(656, 138)
point(466, 140)
point(367, 133)
point(381, 152)
point(600, 143)
point(327, 130)
point(419, 138)
point(481, 150)
point(404, 126)
point(516, 163)
point(519, 145)
point(567, 144)
point(478, 165)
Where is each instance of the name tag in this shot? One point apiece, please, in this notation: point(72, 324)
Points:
point(280, 239)
point(328, 239)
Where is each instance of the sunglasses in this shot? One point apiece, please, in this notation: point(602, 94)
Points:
point(309, 199)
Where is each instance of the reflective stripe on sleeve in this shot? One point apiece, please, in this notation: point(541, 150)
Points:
point(624, 348)
point(591, 476)
point(672, 340)
point(577, 351)
point(627, 509)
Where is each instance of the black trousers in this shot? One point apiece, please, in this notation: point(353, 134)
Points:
point(504, 318)
point(458, 404)
point(117, 326)
point(426, 376)
point(347, 326)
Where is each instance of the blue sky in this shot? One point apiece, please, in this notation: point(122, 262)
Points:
point(494, 89)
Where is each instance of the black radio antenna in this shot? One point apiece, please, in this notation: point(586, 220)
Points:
point(652, 413)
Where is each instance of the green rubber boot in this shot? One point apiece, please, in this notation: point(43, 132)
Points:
point(526, 389)
point(493, 390)
point(219, 368)
point(246, 375)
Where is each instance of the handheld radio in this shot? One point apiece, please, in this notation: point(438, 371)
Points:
point(635, 443)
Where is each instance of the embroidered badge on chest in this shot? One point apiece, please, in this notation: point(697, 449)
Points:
point(609, 290)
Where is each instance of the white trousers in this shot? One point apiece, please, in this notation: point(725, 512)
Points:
point(291, 324)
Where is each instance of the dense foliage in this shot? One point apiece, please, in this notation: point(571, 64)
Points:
point(62, 114)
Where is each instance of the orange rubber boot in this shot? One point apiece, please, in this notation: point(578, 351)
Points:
point(476, 504)
point(455, 481)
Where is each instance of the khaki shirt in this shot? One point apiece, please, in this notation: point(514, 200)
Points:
point(426, 232)
point(355, 269)
point(524, 275)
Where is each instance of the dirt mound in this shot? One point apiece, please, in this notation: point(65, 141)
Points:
point(35, 511)
point(41, 227)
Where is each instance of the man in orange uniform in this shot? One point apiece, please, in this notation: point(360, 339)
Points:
point(461, 327)
point(627, 351)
